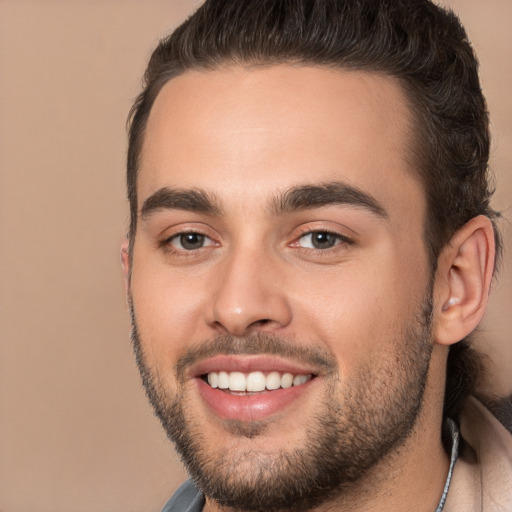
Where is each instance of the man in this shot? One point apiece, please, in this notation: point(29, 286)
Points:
point(311, 244)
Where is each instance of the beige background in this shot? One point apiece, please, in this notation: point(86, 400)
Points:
point(76, 434)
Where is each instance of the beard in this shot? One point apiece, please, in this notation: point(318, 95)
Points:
point(356, 425)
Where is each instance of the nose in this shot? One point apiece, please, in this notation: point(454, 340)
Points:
point(249, 296)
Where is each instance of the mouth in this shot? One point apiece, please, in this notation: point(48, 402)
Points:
point(251, 388)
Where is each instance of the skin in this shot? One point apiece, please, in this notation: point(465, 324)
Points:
point(244, 136)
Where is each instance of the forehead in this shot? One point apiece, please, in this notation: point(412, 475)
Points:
point(240, 132)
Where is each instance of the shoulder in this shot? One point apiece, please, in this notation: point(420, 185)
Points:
point(186, 499)
point(482, 479)
point(501, 407)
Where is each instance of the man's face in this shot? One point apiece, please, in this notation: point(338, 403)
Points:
point(279, 245)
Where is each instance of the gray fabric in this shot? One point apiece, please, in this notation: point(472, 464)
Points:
point(186, 499)
point(189, 499)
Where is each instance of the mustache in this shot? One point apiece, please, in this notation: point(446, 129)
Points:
point(256, 344)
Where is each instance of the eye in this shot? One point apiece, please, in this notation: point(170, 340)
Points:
point(189, 241)
point(320, 240)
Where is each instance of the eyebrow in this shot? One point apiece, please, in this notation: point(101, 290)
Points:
point(193, 200)
point(315, 196)
point(303, 197)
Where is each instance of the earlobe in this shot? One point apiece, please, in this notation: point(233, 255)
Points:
point(463, 281)
point(125, 264)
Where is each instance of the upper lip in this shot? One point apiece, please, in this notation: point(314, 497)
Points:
point(248, 364)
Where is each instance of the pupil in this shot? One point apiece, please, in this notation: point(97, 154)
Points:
point(191, 241)
point(323, 240)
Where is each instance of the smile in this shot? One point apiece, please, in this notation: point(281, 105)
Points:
point(252, 388)
point(254, 382)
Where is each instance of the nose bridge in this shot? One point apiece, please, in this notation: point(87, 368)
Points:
point(248, 293)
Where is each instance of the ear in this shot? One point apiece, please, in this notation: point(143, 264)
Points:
point(125, 264)
point(463, 281)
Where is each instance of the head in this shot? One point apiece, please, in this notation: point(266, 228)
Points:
point(229, 96)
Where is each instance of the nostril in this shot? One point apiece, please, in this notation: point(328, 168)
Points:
point(259, 323)
point(256, 324)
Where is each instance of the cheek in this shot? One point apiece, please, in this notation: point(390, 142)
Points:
point(168, 310)
point(359, 312)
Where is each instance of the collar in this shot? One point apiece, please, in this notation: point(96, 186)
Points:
point(482, 478)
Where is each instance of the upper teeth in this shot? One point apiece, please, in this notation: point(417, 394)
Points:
point(254, 381)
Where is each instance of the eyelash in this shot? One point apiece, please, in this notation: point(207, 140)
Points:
point(166, 243)
point(342, 240)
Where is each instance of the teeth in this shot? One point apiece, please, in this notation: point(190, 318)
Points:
point(273, 380)
point(237, 381)
point(255, 381)
point(300, 379)
point(287, 380)
point(213, 379)
point(223, 380)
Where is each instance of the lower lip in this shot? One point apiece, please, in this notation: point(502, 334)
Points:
point(247, 408)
